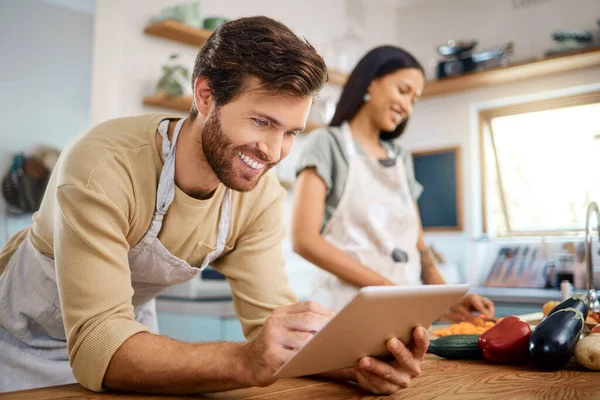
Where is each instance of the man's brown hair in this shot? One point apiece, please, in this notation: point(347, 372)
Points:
point(258, 47)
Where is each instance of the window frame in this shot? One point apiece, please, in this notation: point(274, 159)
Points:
point(485, 118)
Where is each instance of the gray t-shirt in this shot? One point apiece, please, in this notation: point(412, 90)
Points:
point(325, 150)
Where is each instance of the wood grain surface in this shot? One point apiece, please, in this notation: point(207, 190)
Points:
point(440, 379)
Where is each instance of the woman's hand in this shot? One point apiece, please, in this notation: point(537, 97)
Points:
point(468, 307)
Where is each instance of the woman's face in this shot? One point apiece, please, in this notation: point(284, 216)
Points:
point(393, 97)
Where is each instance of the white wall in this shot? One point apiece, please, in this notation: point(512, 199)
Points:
point(425, 24)
point(452, 119)
point(46, 80)
point(127, 63)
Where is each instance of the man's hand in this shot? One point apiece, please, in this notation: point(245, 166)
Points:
point(286, 330)
point(380, 377)
point(466, 308)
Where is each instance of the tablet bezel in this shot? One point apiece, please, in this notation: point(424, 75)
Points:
point(346, 338)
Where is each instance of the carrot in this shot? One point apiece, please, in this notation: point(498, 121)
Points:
point(478, 327)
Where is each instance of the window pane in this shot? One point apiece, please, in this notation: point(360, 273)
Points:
point(494, 213)
point(550, 168)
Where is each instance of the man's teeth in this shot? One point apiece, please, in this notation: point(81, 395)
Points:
point(250, 162)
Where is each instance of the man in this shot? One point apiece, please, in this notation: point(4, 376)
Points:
point(138, 204)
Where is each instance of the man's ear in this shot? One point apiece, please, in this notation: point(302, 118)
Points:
point(203, 96)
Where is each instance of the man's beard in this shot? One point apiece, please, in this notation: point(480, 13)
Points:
point(220, 154)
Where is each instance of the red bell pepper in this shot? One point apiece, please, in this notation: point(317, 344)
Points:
point(506, 342)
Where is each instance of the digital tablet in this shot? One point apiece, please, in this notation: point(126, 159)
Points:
point(362, 328)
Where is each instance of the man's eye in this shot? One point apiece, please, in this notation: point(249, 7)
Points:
point(290, 133)
point(261, 122)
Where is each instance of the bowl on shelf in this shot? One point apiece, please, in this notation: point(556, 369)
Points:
point(453, 48)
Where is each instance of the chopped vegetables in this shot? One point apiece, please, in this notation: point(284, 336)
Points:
point(476, 327)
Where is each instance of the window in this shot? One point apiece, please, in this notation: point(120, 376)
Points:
point(540, 166)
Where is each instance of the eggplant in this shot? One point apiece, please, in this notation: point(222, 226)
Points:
point(552, 342)
point(578, 301)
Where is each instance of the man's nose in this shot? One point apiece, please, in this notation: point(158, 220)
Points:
point(271, 147)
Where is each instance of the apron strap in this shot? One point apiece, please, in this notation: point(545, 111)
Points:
point(166, 193)
point(166, 184)
point(163, 129)
point(390, 150)
point(351, 146)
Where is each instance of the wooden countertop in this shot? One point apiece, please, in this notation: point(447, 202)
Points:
point(442, 379)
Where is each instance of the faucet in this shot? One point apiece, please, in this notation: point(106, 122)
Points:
point(594, 304)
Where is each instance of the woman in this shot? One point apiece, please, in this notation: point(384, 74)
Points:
point(355, 213)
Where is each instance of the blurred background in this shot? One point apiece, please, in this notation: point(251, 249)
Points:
point(505, 139)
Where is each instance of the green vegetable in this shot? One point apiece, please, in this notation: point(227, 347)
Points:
point(456, 347)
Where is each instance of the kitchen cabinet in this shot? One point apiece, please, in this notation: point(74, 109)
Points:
point(200, 319)
point(198, 328)
point(517, 301)
point(13, 224)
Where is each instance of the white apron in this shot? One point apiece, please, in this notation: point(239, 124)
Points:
point(375, 222)
point(33, 346)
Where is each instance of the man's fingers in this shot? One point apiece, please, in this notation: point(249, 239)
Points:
point(375, 383)
point(277, 355)
point(365, 382)
point(386, 371)
point(307, 306)
point(305, 322)
point(407, 360)
point(419, 343)
point(293, 340)
point(399, 351)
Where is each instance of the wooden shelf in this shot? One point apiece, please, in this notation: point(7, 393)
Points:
point(161, 100)
point(337, 77)
point(176, 31)
point(311, 126)
point(184, 103)
point(513, 73)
